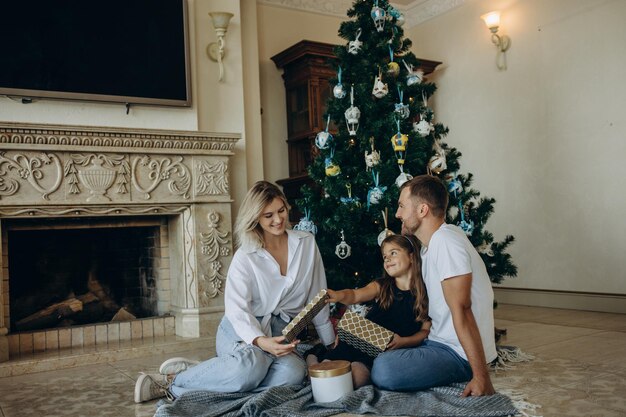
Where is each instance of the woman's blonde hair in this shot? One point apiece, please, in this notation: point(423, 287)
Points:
point(247, 230)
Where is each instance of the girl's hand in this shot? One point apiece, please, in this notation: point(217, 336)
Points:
point(397, 342)
point(334, 296)
point(275, 345)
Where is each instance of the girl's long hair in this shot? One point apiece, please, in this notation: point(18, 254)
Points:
point(410, 244)
point(247, 230)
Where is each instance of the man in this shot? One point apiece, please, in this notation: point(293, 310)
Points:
point(461, 341)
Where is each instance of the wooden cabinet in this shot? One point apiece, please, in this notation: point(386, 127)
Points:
point(307, 68)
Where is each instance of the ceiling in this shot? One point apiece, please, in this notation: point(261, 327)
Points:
point(415, 11)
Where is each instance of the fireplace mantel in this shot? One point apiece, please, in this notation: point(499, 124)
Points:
point(49, 171)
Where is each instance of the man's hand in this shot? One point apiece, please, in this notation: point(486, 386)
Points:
point(275, 345)
point(478, 387)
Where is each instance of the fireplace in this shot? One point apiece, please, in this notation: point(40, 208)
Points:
point(85, 272)
point(119, 226)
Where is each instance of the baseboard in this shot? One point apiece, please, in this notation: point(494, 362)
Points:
point(573, 300)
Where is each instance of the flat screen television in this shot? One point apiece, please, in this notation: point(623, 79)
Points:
point(128, 51)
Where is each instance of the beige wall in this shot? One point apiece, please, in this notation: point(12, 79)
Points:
point(278, 29)
point(547, 137)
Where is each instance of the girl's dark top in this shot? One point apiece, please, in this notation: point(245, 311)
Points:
point(399, 318)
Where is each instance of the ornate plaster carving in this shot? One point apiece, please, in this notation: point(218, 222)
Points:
point(31, 170)
point(98, 173)
point(212, 179)
point(415, 12)
point(117, 138)
point(89, 211)
point(214, 245)
point(174, 172)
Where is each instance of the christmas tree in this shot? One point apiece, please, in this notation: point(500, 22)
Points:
point(380, 131)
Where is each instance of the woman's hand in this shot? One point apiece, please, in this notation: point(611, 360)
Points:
point(275, 345)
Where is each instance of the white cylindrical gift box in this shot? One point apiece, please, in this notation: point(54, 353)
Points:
point(330, 380)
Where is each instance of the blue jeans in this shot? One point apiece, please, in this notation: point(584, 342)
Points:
point(239, 367)
point(432, 364)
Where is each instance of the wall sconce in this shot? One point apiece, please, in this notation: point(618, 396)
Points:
point(502, 42)
point(215, 50)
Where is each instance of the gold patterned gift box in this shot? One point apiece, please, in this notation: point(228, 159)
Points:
point(304, 318)
point(363, 334)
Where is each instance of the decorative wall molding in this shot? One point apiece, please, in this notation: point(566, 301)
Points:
point(214, 245)
point(211, 178)
point(172, 171)
point(89, 211)
point(119, 139)
point(415, 12)
point(572, 300)
point(28, 168)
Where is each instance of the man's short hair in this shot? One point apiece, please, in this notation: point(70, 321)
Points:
point(430, 190)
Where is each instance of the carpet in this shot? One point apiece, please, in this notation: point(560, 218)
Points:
point(297, 401)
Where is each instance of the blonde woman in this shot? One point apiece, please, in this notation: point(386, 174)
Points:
point(273, 275)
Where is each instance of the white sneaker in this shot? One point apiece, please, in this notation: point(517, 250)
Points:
point(173, 366)
point(150, 386)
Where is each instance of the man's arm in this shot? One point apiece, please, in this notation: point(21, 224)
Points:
point(456, 291)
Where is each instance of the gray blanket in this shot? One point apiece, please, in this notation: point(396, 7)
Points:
point(297, 401)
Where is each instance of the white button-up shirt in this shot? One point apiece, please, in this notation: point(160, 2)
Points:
point(256, 288)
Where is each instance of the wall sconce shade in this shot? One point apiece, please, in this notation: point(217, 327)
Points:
point(492, 20)
point(502, 42)
point(215, 50)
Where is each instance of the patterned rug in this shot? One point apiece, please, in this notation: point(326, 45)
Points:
point(297, 401)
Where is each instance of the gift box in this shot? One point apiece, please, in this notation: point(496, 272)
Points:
point(304, 318)
point(363, 334)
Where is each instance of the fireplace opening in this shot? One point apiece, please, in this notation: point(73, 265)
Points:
point(66, 276)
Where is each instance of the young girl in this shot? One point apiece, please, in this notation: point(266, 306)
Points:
point(401, 305)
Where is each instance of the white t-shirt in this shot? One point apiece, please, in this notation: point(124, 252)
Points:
point(256, 288)
point(450, 254)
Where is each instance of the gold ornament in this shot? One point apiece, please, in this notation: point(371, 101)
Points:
point(393, 69)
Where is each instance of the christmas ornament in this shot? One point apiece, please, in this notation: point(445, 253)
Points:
point(380, 89)
point(372, 159)
point(338, 90)
point(395, 13)
point(403, 177)
point(306, 224)
point(323, 139)
point(355, 46)
point(399, 141)
point(454, 185)
point(423, 127)
point(375, 193)
point(349, 199)
point(467, 227)
point(437, 163)
point(401, 110)
point(343, 250)
point(485, 248)
point(393, 69)
point(382, 235)
point(352, 115)
point(332, 169)
point(413, 76)
point(378, 16)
